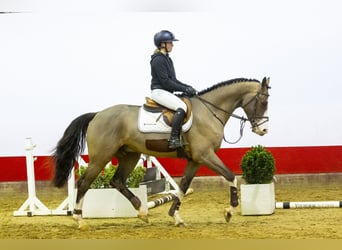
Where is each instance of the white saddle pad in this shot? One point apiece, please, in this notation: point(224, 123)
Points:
point(153, 122)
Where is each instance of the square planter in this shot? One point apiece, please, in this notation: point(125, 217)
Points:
point(257, 199)
point(110, 203)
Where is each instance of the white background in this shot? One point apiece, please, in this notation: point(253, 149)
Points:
point(60, 59)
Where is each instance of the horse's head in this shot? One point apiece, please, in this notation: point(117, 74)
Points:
point(256, 109)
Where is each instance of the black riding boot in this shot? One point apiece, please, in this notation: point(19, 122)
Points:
point(175, 140)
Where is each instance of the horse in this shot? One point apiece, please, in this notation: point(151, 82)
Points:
point(113, 132)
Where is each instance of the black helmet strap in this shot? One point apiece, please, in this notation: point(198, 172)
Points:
point(165, 47)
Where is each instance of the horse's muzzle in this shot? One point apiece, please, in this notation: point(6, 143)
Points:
point(259, 131)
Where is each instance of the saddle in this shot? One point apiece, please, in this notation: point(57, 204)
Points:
point(149, 121)
point(167, 114)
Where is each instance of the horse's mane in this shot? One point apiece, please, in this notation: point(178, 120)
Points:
point(225, 83)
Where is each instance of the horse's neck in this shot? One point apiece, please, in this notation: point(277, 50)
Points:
point(231, 97)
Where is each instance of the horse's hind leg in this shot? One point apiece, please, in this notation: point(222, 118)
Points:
point(83, 184)
point(127, 162)
point(189, 173)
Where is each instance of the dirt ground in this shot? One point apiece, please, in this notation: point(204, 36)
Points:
point(201, 211)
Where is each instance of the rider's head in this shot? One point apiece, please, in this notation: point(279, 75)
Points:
point(164, 39)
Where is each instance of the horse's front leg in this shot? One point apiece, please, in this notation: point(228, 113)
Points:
point(234, 200)
point(190, 171)
point(174, 209)
point(212, 161)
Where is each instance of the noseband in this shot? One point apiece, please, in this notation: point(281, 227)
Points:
point(241, 118)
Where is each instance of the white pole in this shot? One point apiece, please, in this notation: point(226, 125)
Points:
point(71, 192)
point(142, 160)
point(165, 199)
point(30, 172)
point(68, 205)
point(309, 204)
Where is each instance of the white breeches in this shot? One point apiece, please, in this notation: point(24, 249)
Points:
point(168, 99)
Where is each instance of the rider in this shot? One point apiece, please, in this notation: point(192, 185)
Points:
point(164, 83)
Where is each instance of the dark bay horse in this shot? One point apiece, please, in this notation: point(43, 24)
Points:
point(113, 132)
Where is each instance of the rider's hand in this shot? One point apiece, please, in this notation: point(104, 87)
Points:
point(190, 91)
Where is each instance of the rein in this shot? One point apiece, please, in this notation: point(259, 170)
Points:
point(241, 118)
point(218, 108)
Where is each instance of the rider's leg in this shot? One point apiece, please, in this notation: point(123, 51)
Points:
point(177, 121)
point(172, 102)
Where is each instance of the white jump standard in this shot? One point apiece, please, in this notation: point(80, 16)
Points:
point(32, 206)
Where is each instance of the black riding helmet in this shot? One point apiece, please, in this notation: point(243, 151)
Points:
point(164, 36)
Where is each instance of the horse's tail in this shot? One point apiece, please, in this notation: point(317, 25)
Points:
point(69, 147)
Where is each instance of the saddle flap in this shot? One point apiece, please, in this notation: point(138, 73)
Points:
point(151, 122)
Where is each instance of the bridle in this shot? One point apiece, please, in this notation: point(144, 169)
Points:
point(241, 118)
point(255, 117)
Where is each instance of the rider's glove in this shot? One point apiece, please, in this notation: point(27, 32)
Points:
point(190, 91)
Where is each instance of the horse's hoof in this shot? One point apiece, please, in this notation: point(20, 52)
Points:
point(83, 226)
point(227, 214)
point(143, 217)
point(180, 224)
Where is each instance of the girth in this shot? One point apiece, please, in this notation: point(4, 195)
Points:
point(154, 107)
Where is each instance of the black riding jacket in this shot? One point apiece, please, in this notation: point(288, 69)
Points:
point(164, 75)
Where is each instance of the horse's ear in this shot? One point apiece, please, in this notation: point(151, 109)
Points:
point(265, 83)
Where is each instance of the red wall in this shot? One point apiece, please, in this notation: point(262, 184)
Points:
point(289, 160)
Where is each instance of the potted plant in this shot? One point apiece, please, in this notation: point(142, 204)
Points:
point(257, 194)
point(103, 179)
point(103, 201)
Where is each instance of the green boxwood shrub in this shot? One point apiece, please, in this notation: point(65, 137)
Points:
point(258, 166)
point(103, 179)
